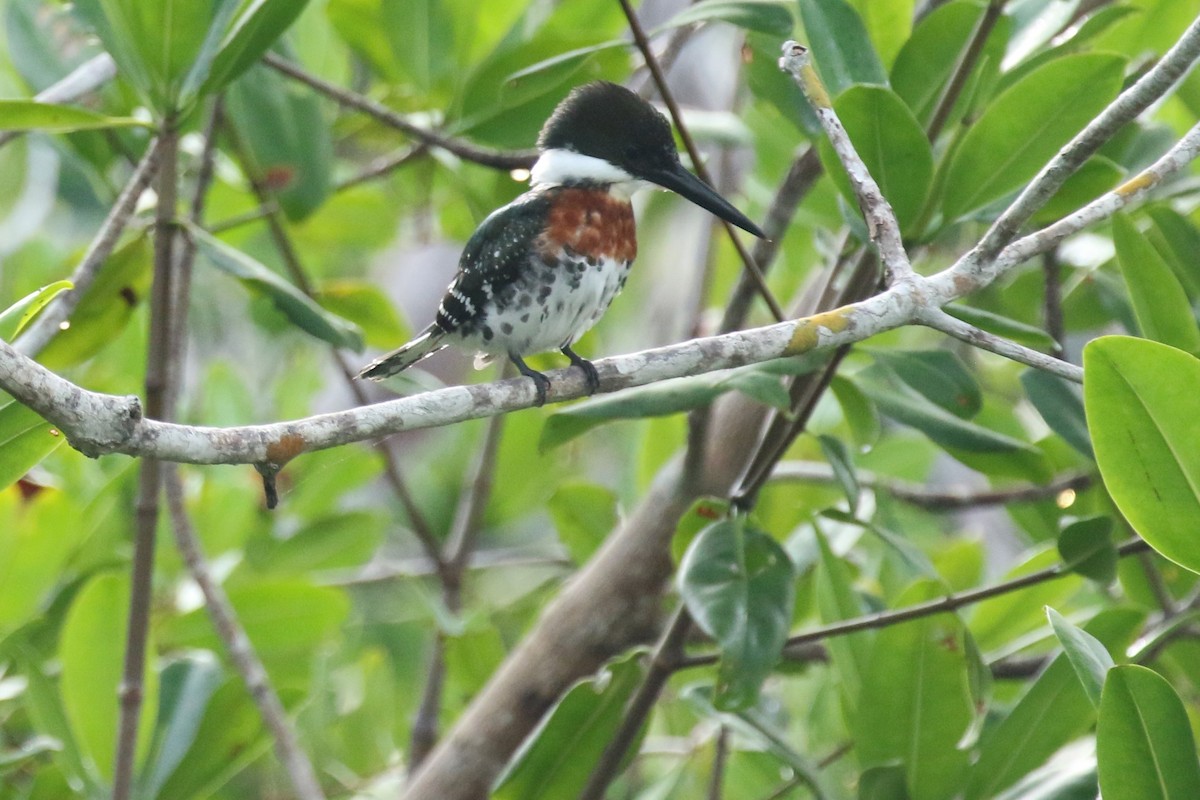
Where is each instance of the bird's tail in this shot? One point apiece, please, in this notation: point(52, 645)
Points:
point(428, 343)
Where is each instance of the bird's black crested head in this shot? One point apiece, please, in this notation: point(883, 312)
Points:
point(607, 121)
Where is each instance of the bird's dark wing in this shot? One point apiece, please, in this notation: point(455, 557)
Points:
point(494, 258)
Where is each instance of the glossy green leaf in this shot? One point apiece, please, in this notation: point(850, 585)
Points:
point(888, 24)
point(928, 58)
point(701, 514)
point(891, 144)
point(1139, 399)
point(1144, 740)
point(187, 686)
point(584, 514)
point(841, 48)
point(1097, 176)
point(301, 310)
point(764, 16)
point(736, 582)
point(1086, 547)
point(1159, 302)
point(836, 601)
point(1177, 239)
point(1002, 619)
point(1060, 406)
point(559, 759)
point(259, 25)
point(1070, 774)
point(14, 318)
point(1024, 127)
point(91, 649)
point(30, 115)
point(287, 139)
point(916, 701)
point(1087, 655)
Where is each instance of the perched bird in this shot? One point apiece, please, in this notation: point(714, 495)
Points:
point(539, 272)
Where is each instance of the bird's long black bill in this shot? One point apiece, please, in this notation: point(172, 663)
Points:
point(684, 183)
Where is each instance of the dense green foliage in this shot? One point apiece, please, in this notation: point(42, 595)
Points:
point(996, 698)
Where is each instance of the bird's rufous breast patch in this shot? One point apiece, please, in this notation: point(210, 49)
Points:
point(593, 223)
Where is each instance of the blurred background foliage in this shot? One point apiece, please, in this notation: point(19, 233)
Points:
point(332, 587)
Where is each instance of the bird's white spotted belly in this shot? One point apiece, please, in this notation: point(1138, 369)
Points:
point(550, 308)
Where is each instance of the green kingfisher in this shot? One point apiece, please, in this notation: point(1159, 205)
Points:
point(539, 272)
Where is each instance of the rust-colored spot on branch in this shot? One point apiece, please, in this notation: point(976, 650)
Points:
point(285, 448)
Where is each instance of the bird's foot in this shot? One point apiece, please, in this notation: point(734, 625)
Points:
point(589, 369)
point(541, 383)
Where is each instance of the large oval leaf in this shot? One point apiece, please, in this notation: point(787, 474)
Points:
point(1144, 742)
point(1159, 302)
point(737, 584)
point(891, 144)
point(1140, 398)
point(1026, 126)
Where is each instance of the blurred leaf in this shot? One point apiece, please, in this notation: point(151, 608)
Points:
point(889, 24)
point(584, 514)
point(939, 375)
point(768, 82)
point(105, 307)
point(306, 314)
point(14, 318)
point(287, 140)
point(30, 115)
point(1097, 176)
point(1007, 327)
point(367, 307)
point(569, 59)
point(252, 33)
point(25, 439)
point(338, 541)
point(1087, 655)
point(928, 59)
point(1009, 617)
point(1139, 397)
point(558, 760)
point(1151, 29)
point(892, 145)
point(1144, 742)
point(763, 16)
point(838, 601)
point(859, 412)
point(841, 48)
point(1025, 127)
point(736, 582)
point(1177, 240)
point(1060, 406)
point(843, 468)
point(916, 701)
point(703, 512)
point(91, 649)
point(1162, 308)
point(1086, 547)
point(38, 537)
point(187, 686)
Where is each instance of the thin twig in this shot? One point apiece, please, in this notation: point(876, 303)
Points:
point(716, 780)
point(239, 648)
point(964, 67)
point(477, 154)
point(160, 395)
point(952, 326)
point(48, 323)
point(1052, 311)
point(660, 80)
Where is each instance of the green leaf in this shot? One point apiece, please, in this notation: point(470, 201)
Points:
point(336, 541)
point(14, 318)
point(1051, 713)
point(259, 25)
point(91, 648)
point(836, 601)
point(186, 688)
point(916, 701)
point(30, 115)
point(1159, 302)
point(584, 514)
point(939, 375)
point(841, 48)
point(843, 468)
point(1177, 240)
point(25, 439)
point(1000, 620)
point(288, 141)
point(929, 57)
point(1060, 406)
point(859, 412)
point(300, 309)
point(1087, 655)
point(736, 582)
point(558, 760)
point(891, 144)
point(1097, 176)
point(1139, 397)
point(1007, 327)
point(1024, 127)
point(764, 16)
point(367, 307)
point(703, 512)
point(889, 24)
point(1086, 547)
point(570, 59)
point(1144, 741)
